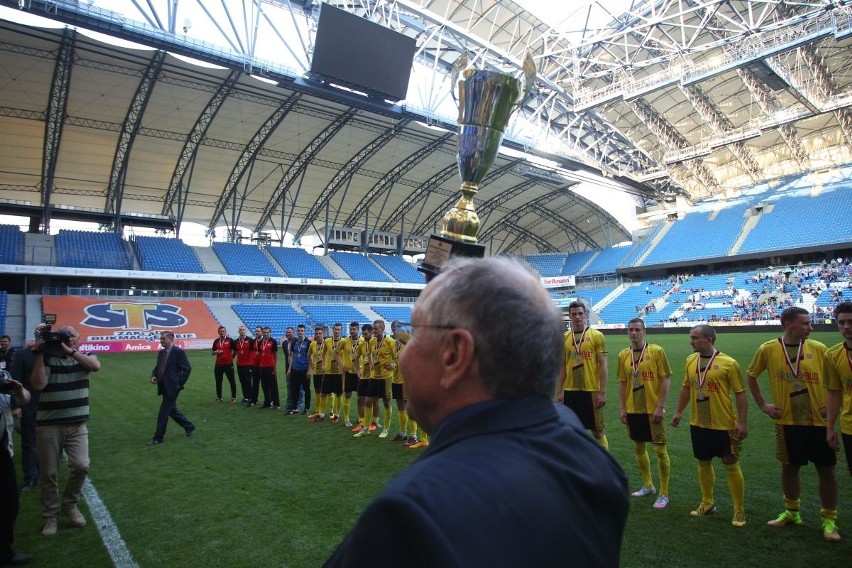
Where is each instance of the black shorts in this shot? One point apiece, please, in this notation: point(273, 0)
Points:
point(332, 384)
point(363, 386)
point(798, 445)
point(397, 391)
point(708, 443)
point(350, 382)
point(847, 449)
point(317, 383)
point(581, 403)
point(376, 388)
point(641, 428)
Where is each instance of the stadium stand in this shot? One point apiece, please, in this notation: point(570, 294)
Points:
point(547, 264)
point(86, 249)
point(784, 227)
point(4, 305)
point(11, 245)
point(606, 261)
point(397, 267)
point(631, 302)
point(698, 235)
point(276, 316)
point(331, 313)
point(642, 246)
point(161, 254)
point(299, 263)
point(393, 312)
point(245, 260)
point(359, 267)
point(575, 261)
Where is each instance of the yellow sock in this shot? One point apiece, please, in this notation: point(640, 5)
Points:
point(386, 424)
point(792, 504)
point(644, 463)
point(828, 514)
point(604, 442)
point(338, 404)
point(412, 427)
point(403, 421)
point(736, 483)
point(321, 403)
point(664, 465)
point(347, 408)
point(368, 415)
point(706, 480)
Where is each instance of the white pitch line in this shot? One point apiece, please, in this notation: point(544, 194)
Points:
point(113, 542)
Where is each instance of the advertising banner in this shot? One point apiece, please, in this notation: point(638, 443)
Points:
point(116, 326)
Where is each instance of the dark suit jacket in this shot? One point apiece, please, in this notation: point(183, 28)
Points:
point(175, 373)
point(519, 483)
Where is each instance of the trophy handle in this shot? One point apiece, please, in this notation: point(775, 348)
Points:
point(529, 79)
point(459, 66)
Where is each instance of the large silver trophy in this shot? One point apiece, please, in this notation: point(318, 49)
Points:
point(486, 101)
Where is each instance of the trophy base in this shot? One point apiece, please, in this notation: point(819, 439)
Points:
point(440, 250)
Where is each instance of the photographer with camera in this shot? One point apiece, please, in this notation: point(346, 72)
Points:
point(61, 373)
point(10, 391)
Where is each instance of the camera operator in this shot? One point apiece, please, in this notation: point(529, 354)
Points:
point(61, 373)
point(10, 390)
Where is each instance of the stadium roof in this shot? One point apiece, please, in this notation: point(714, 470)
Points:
point(636, 102)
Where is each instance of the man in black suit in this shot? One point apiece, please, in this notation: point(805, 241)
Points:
point(23, 361)
point(170, 375)
point(510, 478)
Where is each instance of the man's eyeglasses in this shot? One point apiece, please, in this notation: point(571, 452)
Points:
point(404, 329)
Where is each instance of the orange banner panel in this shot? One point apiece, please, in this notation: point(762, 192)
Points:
point(110, 326)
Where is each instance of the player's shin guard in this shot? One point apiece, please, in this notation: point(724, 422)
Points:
point(603, 442)
point(403, 421)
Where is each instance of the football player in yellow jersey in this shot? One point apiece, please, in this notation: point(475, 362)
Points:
point(643, 386)
point(712, 384)
point(839, 394)
point(401, 332)
point(349, 363)
point(332, 379)
point(796, 368)
point(363, 355)
point(382, 364)
point(316, 367)
point(582, 386)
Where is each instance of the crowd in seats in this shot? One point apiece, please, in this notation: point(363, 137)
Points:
point(277, 316)
point(745, 296)
point(87, 249)
point(11, 245)
point(397, 267)
point(162, 254)
point(393, 312)
point(299, 263)
point(359, 267)
point(331, 313)
point(244, 260)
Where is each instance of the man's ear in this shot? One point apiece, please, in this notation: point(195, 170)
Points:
point(457, 352)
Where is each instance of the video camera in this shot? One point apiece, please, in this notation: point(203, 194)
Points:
point(52, 339)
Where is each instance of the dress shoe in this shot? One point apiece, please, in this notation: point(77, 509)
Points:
point(189, 431)
point(29, 485)
point(18, 559)
point(155, 442)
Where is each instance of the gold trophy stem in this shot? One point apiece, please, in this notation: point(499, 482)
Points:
point(461, 223)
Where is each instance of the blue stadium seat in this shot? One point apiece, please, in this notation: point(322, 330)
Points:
point(359, 267)
point(11, 245)
point(245, 260)
point(162, 254)
point(277, 317)
point(86, 249)
point(397, 267)
point(393, 312)
point(299, 263)
point(330, 313)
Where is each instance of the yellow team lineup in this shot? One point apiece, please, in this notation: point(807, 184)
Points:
point(810, 387)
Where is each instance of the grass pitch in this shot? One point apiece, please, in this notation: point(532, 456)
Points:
point(257, 487)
